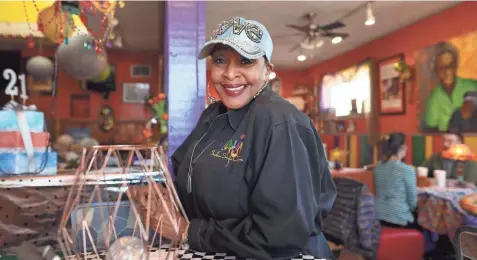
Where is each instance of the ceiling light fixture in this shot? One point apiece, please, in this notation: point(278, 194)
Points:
point(370, 19)
point(310, 44)
point(336, 40)
point(301, 57)
point(272, 75)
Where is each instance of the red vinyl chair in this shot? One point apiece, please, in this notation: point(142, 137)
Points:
point(399, 244)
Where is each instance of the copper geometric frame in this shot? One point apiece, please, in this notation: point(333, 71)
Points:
point(158, 210)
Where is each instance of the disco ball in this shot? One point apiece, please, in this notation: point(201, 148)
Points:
point(79, 59)
point(40, 67)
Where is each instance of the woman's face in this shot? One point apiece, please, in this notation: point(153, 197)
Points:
point(237, 79)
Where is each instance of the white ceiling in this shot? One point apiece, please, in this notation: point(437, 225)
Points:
point(390, 16)
point(141, 23)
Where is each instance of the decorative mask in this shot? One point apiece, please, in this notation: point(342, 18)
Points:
point(106, 118)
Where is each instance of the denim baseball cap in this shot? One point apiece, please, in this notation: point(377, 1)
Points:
point(249, 38)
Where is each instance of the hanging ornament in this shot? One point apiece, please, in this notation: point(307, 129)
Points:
point(71, 7)
point(31, 42)
point(54, 24)
point(80, 61)
point(40, 68)
point(104, 75)
point(404, 71)
point(40, 27)
point(104, 6)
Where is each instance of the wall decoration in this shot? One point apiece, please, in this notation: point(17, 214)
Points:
point(106, 119)
point(16, 85)
point(406, 76)
point(80, 106)
point(447, 85)
point(391, 88)
point(158, 107)
point(135, 92)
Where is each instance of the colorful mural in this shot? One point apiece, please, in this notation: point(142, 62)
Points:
point(447, 85)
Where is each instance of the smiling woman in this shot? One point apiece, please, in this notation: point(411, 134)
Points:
point(252, 176)
point(237, 79)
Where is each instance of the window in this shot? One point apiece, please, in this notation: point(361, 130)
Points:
point(348, 88)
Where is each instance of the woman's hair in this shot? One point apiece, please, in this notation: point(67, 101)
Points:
point(391, 144)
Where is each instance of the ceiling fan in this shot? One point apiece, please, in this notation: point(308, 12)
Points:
point(314, 32)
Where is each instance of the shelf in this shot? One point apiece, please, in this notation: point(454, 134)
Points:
point(110, 178)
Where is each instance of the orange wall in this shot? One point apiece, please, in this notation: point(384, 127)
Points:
point(122, 111)
point(291, 79)
point(442, 26)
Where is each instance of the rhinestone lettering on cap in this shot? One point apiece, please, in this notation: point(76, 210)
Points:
point(252, 31)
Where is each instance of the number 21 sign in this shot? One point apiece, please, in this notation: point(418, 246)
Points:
point(12, 88)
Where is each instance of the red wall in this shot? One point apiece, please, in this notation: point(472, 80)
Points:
point(122, 111)
point(442, 26)
point(291, 79)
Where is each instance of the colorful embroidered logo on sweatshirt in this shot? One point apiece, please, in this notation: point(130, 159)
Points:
point(231, 150)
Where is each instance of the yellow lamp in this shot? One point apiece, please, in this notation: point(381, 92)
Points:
point(460, 153)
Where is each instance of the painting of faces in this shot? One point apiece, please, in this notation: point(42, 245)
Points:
point(447, 85)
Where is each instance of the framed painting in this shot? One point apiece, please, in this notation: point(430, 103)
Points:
point(135, 92)
point(391, 89)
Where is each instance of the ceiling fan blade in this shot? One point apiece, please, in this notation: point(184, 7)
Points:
point(302, 28)
point(332, 34)
point(332, 26)
point(294, 48)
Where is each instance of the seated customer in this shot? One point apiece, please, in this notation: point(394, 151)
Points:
point(464, 119)
point(395, 184)
point(437, 162)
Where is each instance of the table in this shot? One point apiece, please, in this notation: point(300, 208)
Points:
point(439, 210)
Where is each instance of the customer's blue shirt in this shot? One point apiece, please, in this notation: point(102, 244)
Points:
point(396, 193)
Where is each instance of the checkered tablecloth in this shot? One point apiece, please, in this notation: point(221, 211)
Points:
point(166, 254)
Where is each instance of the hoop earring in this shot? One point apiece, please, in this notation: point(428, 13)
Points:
point(209, 96)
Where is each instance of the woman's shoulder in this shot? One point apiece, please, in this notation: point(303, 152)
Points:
point(276, 110)
point(388, 165)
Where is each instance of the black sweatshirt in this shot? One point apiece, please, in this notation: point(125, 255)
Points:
point(255, 182)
